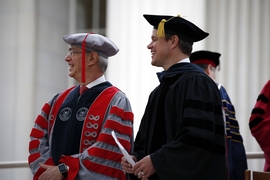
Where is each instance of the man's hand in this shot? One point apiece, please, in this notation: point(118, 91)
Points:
point(127, 167)
point(144, 168)
point(50, 173)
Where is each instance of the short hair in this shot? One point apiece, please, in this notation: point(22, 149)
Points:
point(204, 67)
point(184, 46)
point(102, 63)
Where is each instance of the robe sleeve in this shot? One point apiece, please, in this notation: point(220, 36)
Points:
point(39, 151)
point(259, 122)
point(236, 153)
point(141, 137)
point(102, 160)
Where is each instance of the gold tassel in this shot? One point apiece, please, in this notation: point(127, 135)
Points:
point(161, 30)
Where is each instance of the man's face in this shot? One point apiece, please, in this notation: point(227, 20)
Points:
point(159, 49)
point(74, 60)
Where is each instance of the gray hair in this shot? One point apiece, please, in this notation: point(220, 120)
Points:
point(102, 63)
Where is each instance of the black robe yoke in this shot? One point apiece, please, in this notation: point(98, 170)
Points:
point(183, 128)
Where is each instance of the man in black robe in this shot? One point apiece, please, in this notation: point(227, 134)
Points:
point(182, 134)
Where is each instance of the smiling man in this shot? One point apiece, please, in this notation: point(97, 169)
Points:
point(71, 138)
point(182, 134)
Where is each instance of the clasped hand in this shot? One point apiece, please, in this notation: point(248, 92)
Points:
point(142, 169)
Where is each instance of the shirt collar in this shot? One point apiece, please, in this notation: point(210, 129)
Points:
point(96, 82)
point(186, 60)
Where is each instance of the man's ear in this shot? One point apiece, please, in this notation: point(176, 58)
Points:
point(208, 69)
point(93, 58)
point(174, 41)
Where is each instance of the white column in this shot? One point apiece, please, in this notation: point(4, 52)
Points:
point(17, 76)
point(32, 71)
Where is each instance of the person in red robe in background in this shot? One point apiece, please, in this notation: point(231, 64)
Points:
point(259, 123)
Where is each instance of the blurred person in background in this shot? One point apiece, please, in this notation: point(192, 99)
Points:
point(236, 154)
point(259, 122)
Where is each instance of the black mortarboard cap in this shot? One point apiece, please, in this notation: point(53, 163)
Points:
point(205, 57)
point(176, 25)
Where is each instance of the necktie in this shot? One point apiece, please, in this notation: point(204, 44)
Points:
point(83, 88)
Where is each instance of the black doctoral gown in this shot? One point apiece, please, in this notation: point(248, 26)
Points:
point(182, 128)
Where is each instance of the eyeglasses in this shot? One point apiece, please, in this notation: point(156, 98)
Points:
point(71, 53)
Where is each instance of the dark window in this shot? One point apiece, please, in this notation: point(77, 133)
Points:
point(91, 16)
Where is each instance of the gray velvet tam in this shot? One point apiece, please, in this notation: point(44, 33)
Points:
point(93, 42)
